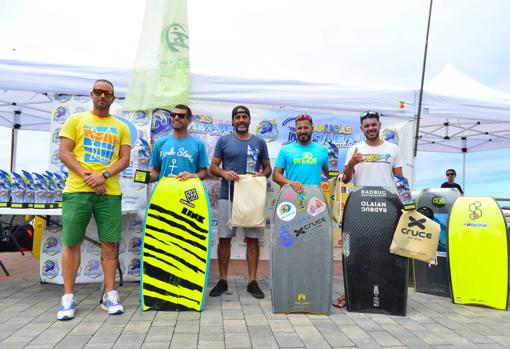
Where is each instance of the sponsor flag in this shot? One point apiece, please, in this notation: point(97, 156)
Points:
point(160, 76)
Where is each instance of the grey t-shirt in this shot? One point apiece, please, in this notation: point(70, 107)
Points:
point(240, 156)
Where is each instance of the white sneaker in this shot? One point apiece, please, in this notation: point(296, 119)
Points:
point(111, 303)
point(67, 307)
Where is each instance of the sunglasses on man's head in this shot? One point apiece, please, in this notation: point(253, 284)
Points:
point(450, 174)
point(180, 115)
point(369, 114)
point(303, 117)
point(98, 92)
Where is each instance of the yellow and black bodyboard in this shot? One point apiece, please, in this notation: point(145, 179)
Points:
point(478, 253)
point(176, 246)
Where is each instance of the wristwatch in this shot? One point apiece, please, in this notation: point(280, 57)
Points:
point(106, 174)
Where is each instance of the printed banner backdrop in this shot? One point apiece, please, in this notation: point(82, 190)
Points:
point(134, 198)
point(276, 126)
point(210, 121)
point(134, 195)
point(90, 269)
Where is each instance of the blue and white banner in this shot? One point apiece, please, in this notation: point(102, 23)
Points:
point(276, 126)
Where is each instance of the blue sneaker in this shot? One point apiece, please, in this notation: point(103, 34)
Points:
point(67, 308)
point(111, 303)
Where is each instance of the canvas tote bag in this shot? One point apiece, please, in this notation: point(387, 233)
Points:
point(249, 204)
point(336, 199)
point(416, 237)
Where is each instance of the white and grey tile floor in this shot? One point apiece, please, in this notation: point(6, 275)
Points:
point(236, 320)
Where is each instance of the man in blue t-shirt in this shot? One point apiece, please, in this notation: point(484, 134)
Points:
point(179, 154)
point(238, 153)
point(303, 160)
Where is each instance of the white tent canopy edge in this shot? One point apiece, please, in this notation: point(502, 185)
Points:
point(459, 114)
point(27, 85)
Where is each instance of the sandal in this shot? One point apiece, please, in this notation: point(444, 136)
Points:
point(339, 302)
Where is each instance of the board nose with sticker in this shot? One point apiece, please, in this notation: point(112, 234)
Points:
point(478, 252)
point(301, 252)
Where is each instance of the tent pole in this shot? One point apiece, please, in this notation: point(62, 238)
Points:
point(464, 171)
point(422, 81)
point(12, 151)
point(464, 152)
point(14, 138)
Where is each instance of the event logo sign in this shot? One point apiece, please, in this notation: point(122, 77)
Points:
point(135, 245)
point(50, 269)
point(267, 130)
point(390, 135)
point(52, 246)
point(140, 118)
point(286, 211)
point(60, 114)
point(134, 267)
point(93, 269)
point(161, 123)
point(176, 37)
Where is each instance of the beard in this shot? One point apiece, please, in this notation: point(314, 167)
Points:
point(304, 138)
point(241, 128)
point(101, 105)
point(372, 136)
point(178, 126)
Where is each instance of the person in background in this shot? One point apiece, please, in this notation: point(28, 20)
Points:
point(450, 180)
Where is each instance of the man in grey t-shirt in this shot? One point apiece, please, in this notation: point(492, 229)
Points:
point(239, 153)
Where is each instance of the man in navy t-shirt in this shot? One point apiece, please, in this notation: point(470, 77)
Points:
point(239, 153)
point(450, 183)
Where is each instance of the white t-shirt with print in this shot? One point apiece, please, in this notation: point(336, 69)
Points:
point(377, 169)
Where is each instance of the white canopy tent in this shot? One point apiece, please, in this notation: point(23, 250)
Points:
point(27, 83)
point(25, 86)
point(461, 115)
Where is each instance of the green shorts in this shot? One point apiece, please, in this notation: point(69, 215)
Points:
point(77, 208)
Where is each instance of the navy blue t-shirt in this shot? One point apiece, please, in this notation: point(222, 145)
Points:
point(240, 156)
point(453, 185)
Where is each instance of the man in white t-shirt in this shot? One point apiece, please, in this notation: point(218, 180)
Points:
point(373, 162)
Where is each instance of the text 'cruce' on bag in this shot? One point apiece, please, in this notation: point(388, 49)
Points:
point(416, 237)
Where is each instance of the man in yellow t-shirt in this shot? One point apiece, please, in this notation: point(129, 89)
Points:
point(95, 147)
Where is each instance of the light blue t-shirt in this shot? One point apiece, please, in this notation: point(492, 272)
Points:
point(303, 163)
point(175, 155)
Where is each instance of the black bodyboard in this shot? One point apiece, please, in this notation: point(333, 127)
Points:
point(434, 279)
point(375, 280)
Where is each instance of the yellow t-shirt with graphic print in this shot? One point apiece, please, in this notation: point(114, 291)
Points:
point(97, 142)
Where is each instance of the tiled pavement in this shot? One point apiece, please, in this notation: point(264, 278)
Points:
point(236, 320)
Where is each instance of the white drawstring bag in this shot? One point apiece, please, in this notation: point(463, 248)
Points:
point(249, 204)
